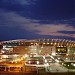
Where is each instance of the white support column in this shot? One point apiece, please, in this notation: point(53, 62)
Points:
point(53, 50)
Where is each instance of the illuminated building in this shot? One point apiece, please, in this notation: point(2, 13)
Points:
point(42, 46)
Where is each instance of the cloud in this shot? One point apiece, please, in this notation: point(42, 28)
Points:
point(12, 19)
point(22, 2)
point(27, 2)
point(52, 29)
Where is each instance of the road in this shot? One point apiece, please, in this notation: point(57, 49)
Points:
point(55, 67)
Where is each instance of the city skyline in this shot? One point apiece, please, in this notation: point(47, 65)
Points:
point(28, 19)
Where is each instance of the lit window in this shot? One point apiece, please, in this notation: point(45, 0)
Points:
point(31, 43)
point(55, 43)
point(37, 62)
point(47, 43)
point(51, 43)
point(43, 43)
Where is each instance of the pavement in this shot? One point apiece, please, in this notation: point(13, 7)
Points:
point(55, 67)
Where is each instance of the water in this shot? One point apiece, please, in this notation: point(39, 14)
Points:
point(18, 74)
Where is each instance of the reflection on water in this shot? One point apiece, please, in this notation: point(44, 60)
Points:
point(11, 74)
point(19, 74)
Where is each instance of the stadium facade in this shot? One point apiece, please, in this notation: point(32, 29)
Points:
point(57, 50)
point(40, 46)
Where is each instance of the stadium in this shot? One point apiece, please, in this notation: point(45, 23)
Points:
point(56, 47)
point(51, 55)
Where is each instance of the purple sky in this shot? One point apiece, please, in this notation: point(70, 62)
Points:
point(28, 19)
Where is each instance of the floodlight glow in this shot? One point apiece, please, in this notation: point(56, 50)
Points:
point(44, 57)
point(29, 62)
point(16, 62)
point(43, 43)
point(3, 51)
point(26, 55)
point(4, 56)
point(73, 64)
point(45, 61)
point(62, 63)
point(66, 54)
point(55, 43)
point(57, 60)
point(47, 43)
point(31, 43)
point(37, 62)
point(15, 55)
point(66, 58)
point(47, 64)
point(68, 65)
point(42, 47)
point(52, 57)
point(51, 43)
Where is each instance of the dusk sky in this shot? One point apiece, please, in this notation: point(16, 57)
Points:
point(30, 19)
